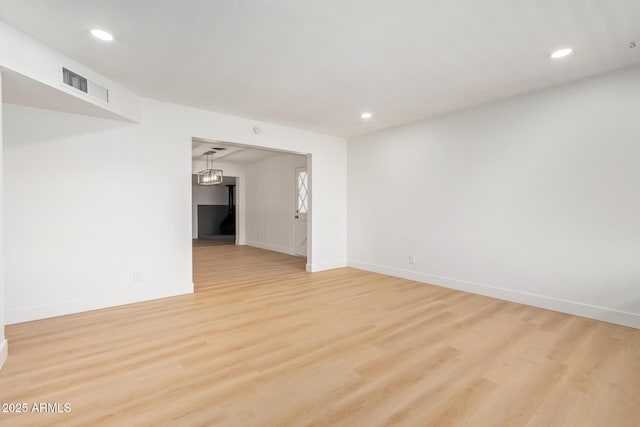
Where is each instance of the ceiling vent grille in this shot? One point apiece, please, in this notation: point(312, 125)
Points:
point(80, 83)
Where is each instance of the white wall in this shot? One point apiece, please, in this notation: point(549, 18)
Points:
point(534, 199)
point(106, 199)
point(3, 341)
point(135, 181)
point(270, 202)
point(210, 194)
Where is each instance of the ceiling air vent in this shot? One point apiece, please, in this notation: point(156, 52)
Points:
point(92, 89)
point(74, 80)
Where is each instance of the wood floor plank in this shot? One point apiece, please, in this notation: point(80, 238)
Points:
point(264, 343)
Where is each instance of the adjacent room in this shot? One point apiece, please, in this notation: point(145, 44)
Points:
point(285, 213)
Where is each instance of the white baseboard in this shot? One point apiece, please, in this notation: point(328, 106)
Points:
point(4, 352)
point(44, 311)
point(323, 266)
point(269, 247)
point(550, 303)
point(311, 268)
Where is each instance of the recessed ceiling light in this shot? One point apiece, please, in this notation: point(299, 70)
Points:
point(366, 115)
point(561, 53)
point(102, 35)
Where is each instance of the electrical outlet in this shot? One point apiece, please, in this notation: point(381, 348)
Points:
point(412, 259)
point(137, 277)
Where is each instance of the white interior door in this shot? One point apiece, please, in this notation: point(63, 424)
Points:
point(302, 207)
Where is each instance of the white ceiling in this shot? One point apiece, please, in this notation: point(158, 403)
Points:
point(230, 153)
point(318, 65)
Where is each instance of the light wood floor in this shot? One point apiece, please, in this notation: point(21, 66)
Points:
point(263, 343)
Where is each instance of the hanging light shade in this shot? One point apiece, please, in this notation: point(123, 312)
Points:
point(210, 176)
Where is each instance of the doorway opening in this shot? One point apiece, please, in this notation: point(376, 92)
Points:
point(213, 211)
point(269, 197)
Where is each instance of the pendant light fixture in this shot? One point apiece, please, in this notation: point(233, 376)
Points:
point(210, 176)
